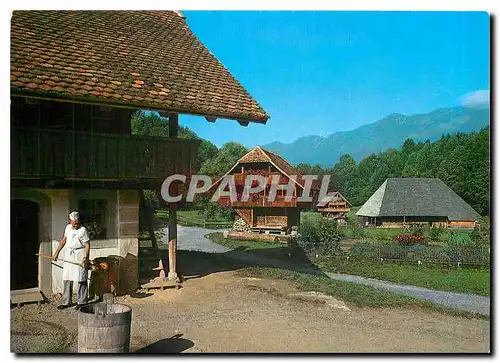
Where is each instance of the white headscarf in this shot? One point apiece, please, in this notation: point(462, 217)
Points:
point(74, 216)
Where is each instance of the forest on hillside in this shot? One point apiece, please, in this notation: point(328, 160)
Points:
point(460, 160)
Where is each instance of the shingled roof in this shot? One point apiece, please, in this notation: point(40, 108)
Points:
point(140, 59)
point(417, 197)
point(333, 197)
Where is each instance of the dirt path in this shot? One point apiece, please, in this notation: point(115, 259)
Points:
point(222, 312)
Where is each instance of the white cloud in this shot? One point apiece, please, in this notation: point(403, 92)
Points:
point(477, 99)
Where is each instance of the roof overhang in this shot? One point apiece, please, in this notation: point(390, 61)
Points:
point(134, 106)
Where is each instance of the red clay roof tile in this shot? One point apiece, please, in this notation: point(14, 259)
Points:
point(118, 47)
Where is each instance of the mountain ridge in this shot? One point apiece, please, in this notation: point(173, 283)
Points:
point(389, 132)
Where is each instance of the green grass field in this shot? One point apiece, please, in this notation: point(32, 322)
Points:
point(444, 278)
point(279, 251)
point(181, 213)
point(193, 218)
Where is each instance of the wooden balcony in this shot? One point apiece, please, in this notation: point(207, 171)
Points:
point(279, 202)
point(337, 209)
point(239, 179)
point(72, 155)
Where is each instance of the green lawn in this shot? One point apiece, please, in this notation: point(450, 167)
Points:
point(194, 218)
point(191, 214)
point(218, 238)
point(181, 213)
point(445, 278)
point(279, 251)
point(349, 292)
point(351, 215)
point(309, 215)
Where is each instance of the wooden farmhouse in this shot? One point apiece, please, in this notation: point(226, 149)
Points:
point(404, 201)
point(335, 207)
point(260, 214)
point(76, 78)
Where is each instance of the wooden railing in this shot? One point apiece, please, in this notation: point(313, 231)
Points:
point(334, 209)
point(38, 153)
point(262, 201)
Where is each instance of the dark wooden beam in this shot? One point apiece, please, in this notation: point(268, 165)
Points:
point(173, 125)
point(85, 184)
point(243, 122)
point(211, 119)
point(173, 130)
point(166, 114)
point(130, 105)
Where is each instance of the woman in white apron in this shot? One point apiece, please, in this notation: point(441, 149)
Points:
point(77, 247)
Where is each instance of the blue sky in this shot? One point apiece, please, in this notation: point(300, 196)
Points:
point(320, 72)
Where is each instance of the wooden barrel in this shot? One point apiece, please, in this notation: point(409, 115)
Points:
point(104, 328)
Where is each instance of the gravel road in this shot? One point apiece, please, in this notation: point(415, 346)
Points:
point(193, 239)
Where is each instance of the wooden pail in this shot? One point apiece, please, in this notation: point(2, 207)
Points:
point(104, 328)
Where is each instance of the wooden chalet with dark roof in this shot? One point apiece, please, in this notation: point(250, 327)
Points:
point(259, 213)
point(404, 201)
point(334, 206)
point(76, 77)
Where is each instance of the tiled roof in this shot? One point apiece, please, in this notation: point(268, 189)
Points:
point(256, 155)
point(259, 154)
point(417, 197)
point(140, 59)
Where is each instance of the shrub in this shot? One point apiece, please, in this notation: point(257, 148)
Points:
point(409, 239)
point(215, 211)
point(382, 235)
point(359, 232)
point(435, 233)
point(480, 237)
point(321, 234)
point(456, 238)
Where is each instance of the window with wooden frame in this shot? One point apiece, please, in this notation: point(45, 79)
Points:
point(93, 216)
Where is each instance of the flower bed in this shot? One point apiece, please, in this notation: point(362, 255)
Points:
point(409, 239)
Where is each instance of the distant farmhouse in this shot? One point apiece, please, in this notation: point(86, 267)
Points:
point(258, 213)
point(401, 201)
point(334, 206)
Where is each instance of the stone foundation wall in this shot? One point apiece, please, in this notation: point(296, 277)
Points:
point(122, 226)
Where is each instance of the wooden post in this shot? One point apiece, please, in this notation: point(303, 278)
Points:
point(173, 127)
point(172, 263)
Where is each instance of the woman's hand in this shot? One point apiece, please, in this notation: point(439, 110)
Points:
point(86, 262)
